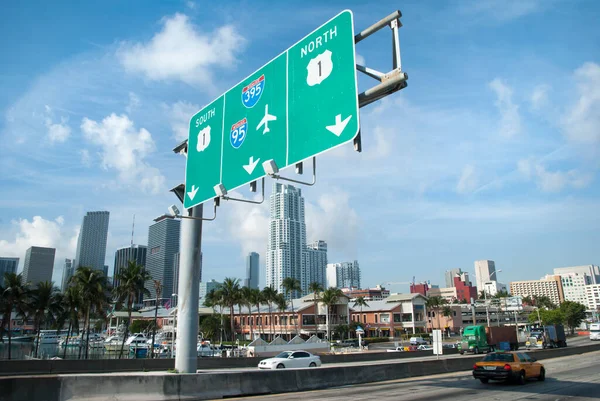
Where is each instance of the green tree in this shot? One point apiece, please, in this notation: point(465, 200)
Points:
point(256, 299)
point(269, 296)
point(132, 281)
point(42, 299)
point(281, 304)
point(341, 330)
point(291, 287)
point(210, 326)
point(330, 298)
point(543, 301)
point(574, 314)
point(246, 300)
point(93, 287)
point(552, 316)
point(502, 294)
point(72, 305)
point(527, 300)
point(157, 290)
point(360, 302)
point(230, 290)
point(436, 303)
point(15, 295)
point(316, 289)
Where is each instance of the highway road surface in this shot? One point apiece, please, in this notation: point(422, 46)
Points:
point(573, 378)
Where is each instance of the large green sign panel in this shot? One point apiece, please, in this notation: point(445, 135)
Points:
point(300, 104)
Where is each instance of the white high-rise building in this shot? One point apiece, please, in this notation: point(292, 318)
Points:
point(316, 262)
point(343, 275)
point(592, 271)
point(91, 243)
point(484, 272)
point(286, 250)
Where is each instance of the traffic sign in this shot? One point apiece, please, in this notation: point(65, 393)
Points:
point(300, 104)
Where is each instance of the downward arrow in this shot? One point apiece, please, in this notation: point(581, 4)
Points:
point(251, 165)
point(339, 125)
point(192, 193)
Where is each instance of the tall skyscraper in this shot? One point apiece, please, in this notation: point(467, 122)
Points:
point(343, 275)
point(484, 270)
point(8, 265)
point(91, 244)
point(592, 271)
point(286, 250)
point(316, 262)
point(450, 274)
point(251, 280)
point(163, 244)
point(39, 263)
point(136, 253)
point(68, 271)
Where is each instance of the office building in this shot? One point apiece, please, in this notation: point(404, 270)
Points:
point(369, 294)
point(592, 271)
point(464, 289)
point(574, 286)
point(38, 266)
point(163, 244)
point(91, 243)
point(493, 287)
point(549, 286)
point(286, 249)
point(316, 262)
point(592, 294)
point(252, 263)
point(449, 275)
point(343, 275)
point(8, 265)
point(68, 272)
point(206, 287)
point(484, 271)
point(419, 288)
point(132, 253)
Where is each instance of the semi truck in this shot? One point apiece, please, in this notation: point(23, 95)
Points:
point(477, 339)
point(548, 336)
point(595, 331)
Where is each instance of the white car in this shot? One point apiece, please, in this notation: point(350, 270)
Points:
point(417, 341)
point(291, 359)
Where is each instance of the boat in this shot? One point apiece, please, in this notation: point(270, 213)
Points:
point(113, 343)
point(50, 336)
point(71, 341)
point(139, 350)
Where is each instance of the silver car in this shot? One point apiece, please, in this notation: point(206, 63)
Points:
point(291, 359)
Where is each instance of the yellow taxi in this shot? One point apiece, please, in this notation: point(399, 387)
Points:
point(506, 366)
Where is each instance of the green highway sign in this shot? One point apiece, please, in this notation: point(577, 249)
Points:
point(300, 104)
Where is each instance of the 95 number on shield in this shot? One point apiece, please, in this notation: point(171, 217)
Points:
point(237, 135)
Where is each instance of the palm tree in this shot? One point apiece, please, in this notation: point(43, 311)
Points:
point(281, 304)
point(230, 290)
point(158, 290)
point(435, 304)
point(330, 298)
point(316, 289)
point(213, 299)
point(256, 299)
point(269, 297)
point(132, 281)
point(72, 303)
point(92, 284)
point(14, 296)
point(40, 301)
point(246, 298)
point(360, 302)
point(292, 286)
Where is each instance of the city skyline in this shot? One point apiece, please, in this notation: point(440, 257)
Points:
point(502, 165)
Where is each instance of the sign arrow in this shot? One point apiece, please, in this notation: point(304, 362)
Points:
point(339, 126)
point(192, 193)
point(251, 165)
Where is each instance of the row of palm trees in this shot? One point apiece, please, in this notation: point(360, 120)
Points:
point(230, 294)
point(88, 296)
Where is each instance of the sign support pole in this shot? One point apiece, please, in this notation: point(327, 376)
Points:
point(186, 357)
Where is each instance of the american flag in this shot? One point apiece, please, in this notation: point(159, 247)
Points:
point(168, 305)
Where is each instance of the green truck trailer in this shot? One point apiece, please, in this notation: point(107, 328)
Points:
point(478, 339)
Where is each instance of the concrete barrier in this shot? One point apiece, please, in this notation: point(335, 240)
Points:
point(201, 386)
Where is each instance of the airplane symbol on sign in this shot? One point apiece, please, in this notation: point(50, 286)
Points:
point(265, 120)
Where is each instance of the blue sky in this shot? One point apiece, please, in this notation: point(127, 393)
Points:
point(491, 152)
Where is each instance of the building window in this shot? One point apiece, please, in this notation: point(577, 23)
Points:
point(154, 250)
point(384, 318)
point(397, 318)
point(376, 318)
point(308, 320)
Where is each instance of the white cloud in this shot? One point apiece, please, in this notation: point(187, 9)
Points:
point(86, 159)
point(179, 115)
point(582, 122)
point(510, 123)
point(134, 102)
point(553, 181)
point(539, 96)
point(124, 149)
point(57, 132)
point(180, 51)
point(360, 59)
point(334, 220)
point(40, 232)
point(190, 4)
point(468, 180)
